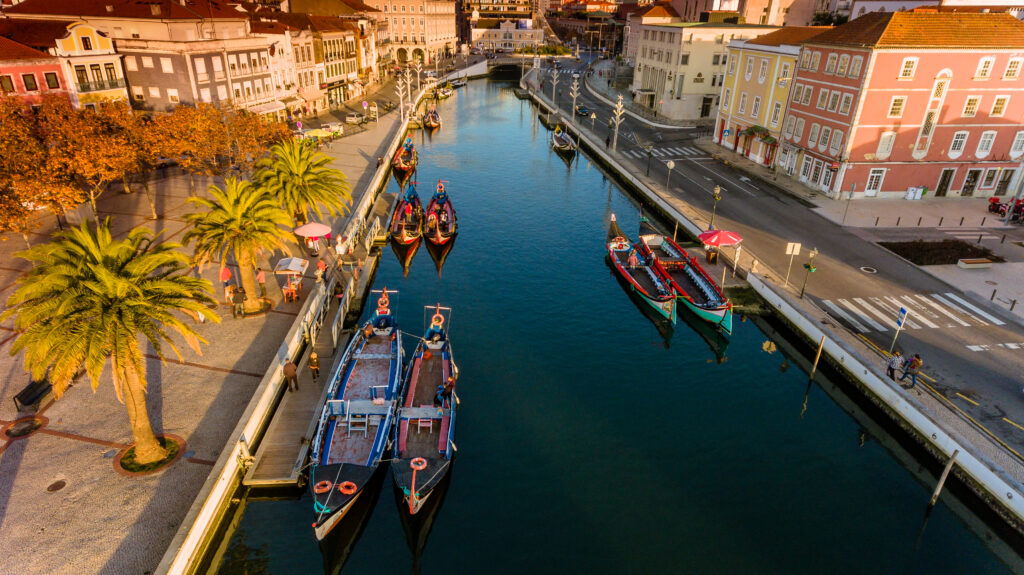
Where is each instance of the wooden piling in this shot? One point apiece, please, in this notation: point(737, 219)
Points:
point(817, 356)
point(942, 479)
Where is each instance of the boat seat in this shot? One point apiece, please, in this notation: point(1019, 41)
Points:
point(442, 443)
point(358, 422)
point(425, 422)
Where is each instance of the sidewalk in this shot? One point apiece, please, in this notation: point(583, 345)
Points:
point(600, 86)
point(59, 483)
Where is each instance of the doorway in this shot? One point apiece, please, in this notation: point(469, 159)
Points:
point(1004, 182)
point(944, 180)
point(705, 107)
point(970, 182)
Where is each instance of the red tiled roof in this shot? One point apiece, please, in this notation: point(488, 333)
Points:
point(928, 30)
point(322, 7)
point(265, 27)
point(789, 36)
point(39, 34)
point(11, 50)
point(143, 9)
point(661, 11)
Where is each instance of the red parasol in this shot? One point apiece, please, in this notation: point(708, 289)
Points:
point(720, 238)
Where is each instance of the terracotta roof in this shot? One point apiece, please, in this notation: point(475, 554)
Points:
point(322, 7)
point(359, 6)
point(39, 34)
point(11, 50)
point(268, 27)
point(142, 9)
point(661, 11)
point(789, 36)
point(928, 30)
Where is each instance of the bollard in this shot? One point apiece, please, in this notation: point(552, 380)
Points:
point(1002, 241)
point(753, 267)
point(919, 221)
point(898, 221)
point(961, 221)
point(993, 298)
point(876, 220)
point(940, 222)
point(1013, 302)
point(979, 237)
point(983, 220)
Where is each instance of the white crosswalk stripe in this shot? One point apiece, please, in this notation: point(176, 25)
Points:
point(932, 311)
point(657, 152)
point(691, 151)
point(972, 236)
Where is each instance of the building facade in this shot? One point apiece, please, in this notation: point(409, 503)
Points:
point(422, 30)
point(508, 35)
point(894, 101)
point(29, 73)
point(765, 12)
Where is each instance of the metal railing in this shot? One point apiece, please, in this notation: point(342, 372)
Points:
point(100, 85)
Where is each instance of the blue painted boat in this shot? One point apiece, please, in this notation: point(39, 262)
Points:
point(424, 442)
point(640, 272)
point(355, 424)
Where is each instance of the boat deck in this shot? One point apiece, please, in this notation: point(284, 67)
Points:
point(419, 440)
point(642, 274)
point(351, 442)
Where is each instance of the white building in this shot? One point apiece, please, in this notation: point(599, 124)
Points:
point(509, 35)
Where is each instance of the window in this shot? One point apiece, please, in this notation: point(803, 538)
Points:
point(837, 141)
point(755, 109)
point(204, 94)
point(971, 107)
point(844, 109)
point(844, 64)
point(815, 61)
point(833, 102)
point(6, 84)
point(985, 143)
point(222, 91)
point(172, 95)
point(749, 69)
point(885, 143)
point(812, 137)
point(776, 114)
point(855, 65)
point(130, 64)
point(822, 99)
point(999, 106)
point(138, 94)
point(86, 43)
point(147, 62)
point(826, 132)
point(743, 103)
point(1012, 69)
point(799, 129)
point(984, 68)
point(896, 106)
point(684, 59)
point(929, 123)
point(1017, 148)
point(154, 92)
point(715, 59)
point(830, 64)
point(957, 145)
point(908, 68)
point(725, 97)
point(990, 177)
point(51, 80)
point(805, 60)
point(108, 70)
point(807, 95)
point(798, 92)
point(30, 82)
point(732, 65)
point(791, 121)
point(762, 72)
point(875, 178)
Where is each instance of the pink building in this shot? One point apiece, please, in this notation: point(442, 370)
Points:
point(29, 73)
point(892, 101)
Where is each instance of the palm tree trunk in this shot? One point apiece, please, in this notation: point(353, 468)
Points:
point(147, 448)
point(24, 235)
point(247, 276)
point(92, 203)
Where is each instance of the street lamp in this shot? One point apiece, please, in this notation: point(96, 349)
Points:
point(671, 166)
point(650, 154)
point(717, 195)
point(400, 90)
point(809, 266)
point(574, 91)
point(554, 84)
point(419, 69)
point(593, 118)
point(618, 112)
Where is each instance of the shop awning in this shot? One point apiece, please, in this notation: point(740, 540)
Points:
point(267, 108)
point(292, 101)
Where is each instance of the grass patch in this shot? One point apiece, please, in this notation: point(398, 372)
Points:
point(128, 461)
point(937, 253)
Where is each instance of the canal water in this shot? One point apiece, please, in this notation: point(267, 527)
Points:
point(591, 439)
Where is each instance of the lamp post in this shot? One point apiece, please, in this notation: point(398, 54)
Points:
point(618, 112)
point(593, 118)
point(717, 195)
point(650, 154)
point(809, 266)
point(400, 90)
point(574, 91)
point(848, 200)
point(419, 70)
point(554, 84)
point(671, 166)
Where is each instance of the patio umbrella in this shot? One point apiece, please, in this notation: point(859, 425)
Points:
point(312, 230)
point(291, 266)
point(720, 238)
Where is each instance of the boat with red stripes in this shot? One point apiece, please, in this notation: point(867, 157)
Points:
point(403, 164)
point(442, 224)
point(640, 272)
point(407, 222)
point(424, 444)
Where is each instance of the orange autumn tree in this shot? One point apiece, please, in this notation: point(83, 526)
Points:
point(249, 136)
point(195, 137)
point(143, 140)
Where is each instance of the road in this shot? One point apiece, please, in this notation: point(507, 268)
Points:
point(974, 354)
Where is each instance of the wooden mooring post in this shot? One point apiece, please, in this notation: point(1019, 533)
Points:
point(817, 357)
point(942, 478)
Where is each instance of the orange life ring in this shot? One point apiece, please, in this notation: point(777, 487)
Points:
point(418, 464)
point(383, 301)
point(322, 487)
point(437, 320)
point(347, 488)
point(427, 355)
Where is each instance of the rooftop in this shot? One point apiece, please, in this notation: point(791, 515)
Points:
point(928, 30)
point(11, 50)
point(140, 9)
point(789, 36)
point(39, 34)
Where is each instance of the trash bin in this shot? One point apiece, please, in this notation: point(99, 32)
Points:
point(711, 254)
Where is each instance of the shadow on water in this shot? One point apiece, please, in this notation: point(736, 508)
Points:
point(439, 253)
point(417, 527)
point(405, 253)
point(339, 543)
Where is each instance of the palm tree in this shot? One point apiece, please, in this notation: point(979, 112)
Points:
point(302, 181)
point(242, 219)
point(87, 299)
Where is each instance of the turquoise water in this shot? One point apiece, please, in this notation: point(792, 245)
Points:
point(584, 443)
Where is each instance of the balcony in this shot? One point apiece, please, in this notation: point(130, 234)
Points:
point(100, 85)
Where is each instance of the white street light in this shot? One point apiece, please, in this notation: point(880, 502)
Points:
point(419, 69)
point(574, 91)
point(671, 166)
point(593, 118)
point(554, 85)
point(400, 90)
point(619, 111)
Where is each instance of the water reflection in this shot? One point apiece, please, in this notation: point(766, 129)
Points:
point(337, 546)
point(405, 253)
point(439, 253)
point(417, 526)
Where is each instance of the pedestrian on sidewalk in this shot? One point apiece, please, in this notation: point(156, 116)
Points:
point(380, 161)
point(607, 141)
point(314, 365)
point(261, 278)
point(225, 280)
point(912, 369)
point(238, 303)
point(321, 266)
point(289, 376)
point(895, 362)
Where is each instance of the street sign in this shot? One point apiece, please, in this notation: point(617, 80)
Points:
point(901, 317)
point(726, 132)
point(365, 104)
point(792, 249)
point(298, 125)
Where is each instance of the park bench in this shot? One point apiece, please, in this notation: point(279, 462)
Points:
point(974, 263)
point(29, 398)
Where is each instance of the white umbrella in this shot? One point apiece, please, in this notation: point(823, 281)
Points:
point(312, 230)
point(291, 266)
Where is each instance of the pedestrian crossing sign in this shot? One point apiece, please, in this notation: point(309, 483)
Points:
point(901, 317)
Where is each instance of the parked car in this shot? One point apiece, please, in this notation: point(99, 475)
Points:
point(430, 74)
point(582, 110)
point(475, 52)
point(355, 118)
point(335, 128)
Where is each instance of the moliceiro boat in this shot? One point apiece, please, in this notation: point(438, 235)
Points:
point(355, 423)
point(691, 284)
point(442, 224)
point(404, 162)
point(432, 119)
point(407, 222)
point(424, 437)
point(561, 141)
point(640, 272)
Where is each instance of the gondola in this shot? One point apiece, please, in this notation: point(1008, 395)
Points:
point(404, 162)
point(407, 222)
point(640, 272)
point(425, 432)
point(405, 253)
point(417, 527)
point(355, 423)
point(442, 92)
point(441, 224)
point(458, 82)
point(432, 119)
point(562, 142)
point(691, 284)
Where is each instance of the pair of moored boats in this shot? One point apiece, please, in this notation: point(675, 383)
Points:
point(372, 409)
point(663, 274)
point(438, 224)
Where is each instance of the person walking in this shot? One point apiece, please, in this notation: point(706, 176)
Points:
point(895, 362)
point(289, 376)
point(314, 365)
point(607, 141)
point(225, 280)
point(238, 302)
point(321, 267)
point(261, 278)
point(912, 369)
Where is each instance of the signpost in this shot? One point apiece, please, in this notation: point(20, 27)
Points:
point(298, 124)
point(671, 166)
point(726, 132)
point(792, 250)
point(901, 318)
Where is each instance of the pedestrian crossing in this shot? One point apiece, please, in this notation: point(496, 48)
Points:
point(665, 152)
point(926, 311)
point(971, 234)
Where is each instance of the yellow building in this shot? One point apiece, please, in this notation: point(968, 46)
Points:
point(755, 93)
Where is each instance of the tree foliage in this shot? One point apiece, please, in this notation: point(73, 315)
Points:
point(302, 181)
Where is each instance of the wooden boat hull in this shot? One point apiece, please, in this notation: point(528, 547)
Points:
point(644, 278)
point(438, 234)
point(691, 284)
point(405, 232)
point(336, 547)
point(403, 164)
point(432, 121)
point(562, 143)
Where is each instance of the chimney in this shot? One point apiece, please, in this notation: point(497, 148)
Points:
point(154, 9)
point(110, 8)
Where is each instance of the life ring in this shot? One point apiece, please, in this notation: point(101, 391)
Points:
point(322, 487)
point(437, 320)
point(383, 301)
point(418, 464)
point(347, 488)
point(619, 240)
